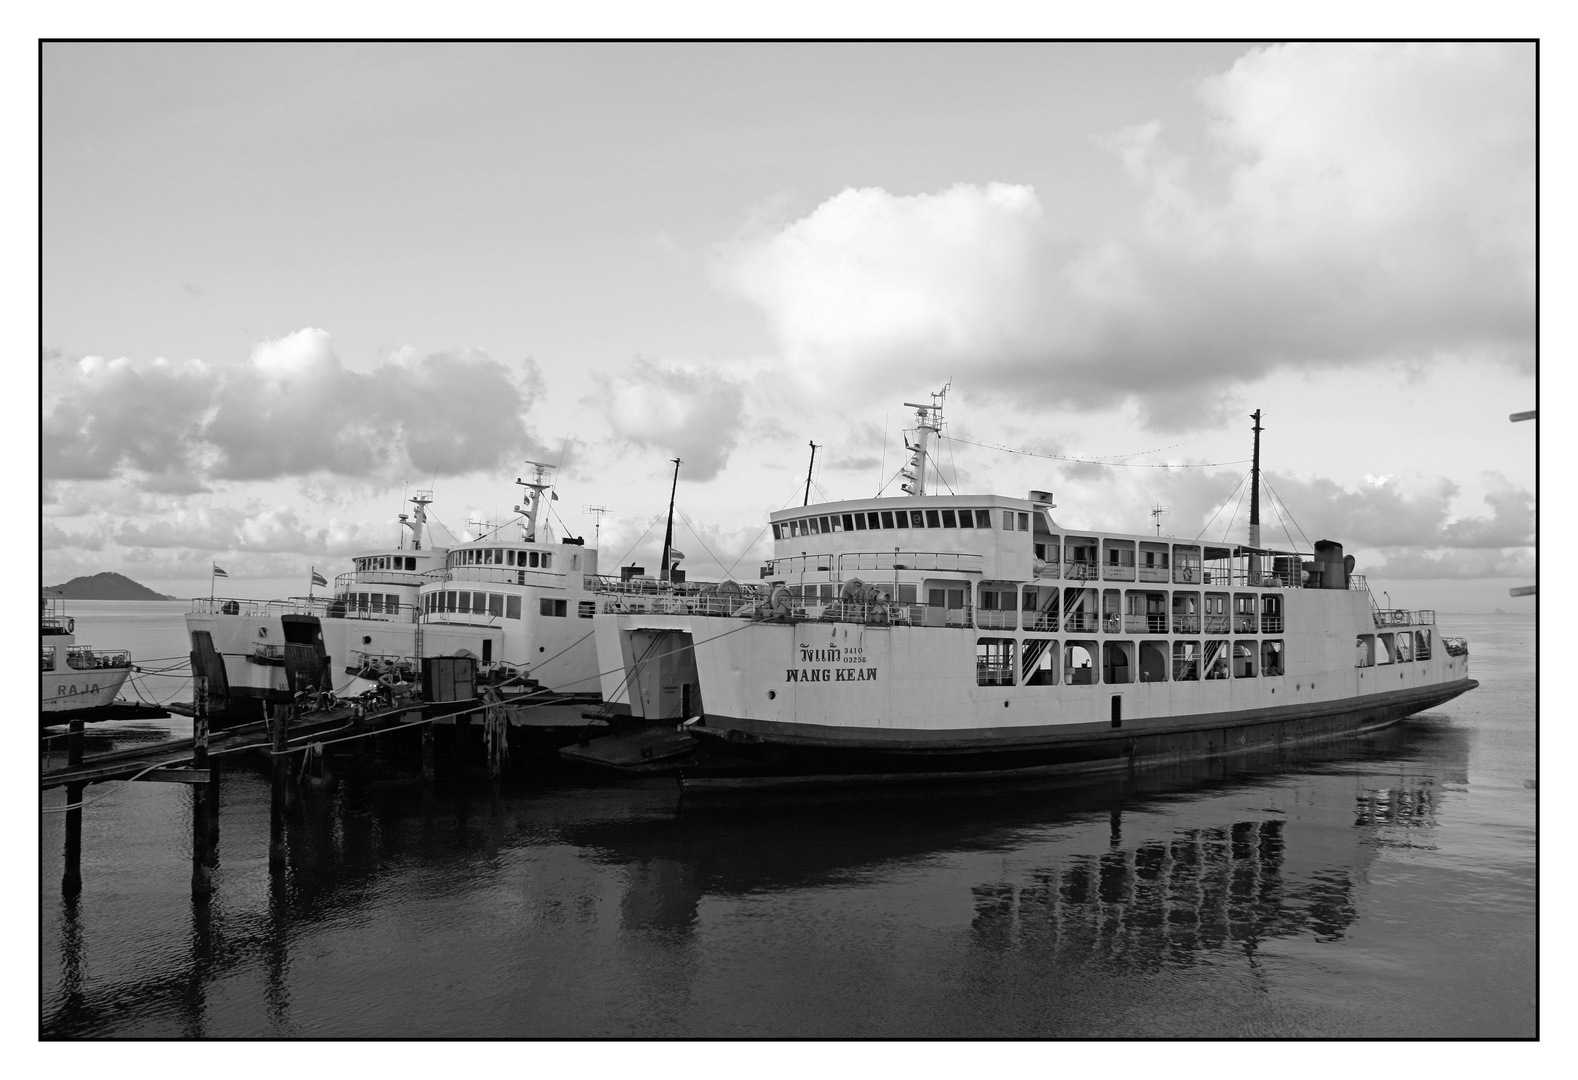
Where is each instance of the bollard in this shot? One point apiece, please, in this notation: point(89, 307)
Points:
point(71, 879)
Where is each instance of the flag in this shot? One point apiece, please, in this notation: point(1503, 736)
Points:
point(218, 572)
point(318, 579)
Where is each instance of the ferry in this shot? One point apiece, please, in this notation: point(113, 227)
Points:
point(75, 680)
point(515, 603)
point(957, 634)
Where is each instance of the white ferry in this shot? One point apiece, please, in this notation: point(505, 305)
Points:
point(519, 606)
point(941, 633)
point(75, 679)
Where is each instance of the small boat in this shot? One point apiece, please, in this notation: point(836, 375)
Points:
point(75, 680)
point(973, 633)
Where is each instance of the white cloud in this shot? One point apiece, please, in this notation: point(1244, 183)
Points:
point(290, 410)
point(678, 409)
point(1360, 204)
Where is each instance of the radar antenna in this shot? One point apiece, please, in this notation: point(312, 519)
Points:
point(597, 520)
point(533, 508)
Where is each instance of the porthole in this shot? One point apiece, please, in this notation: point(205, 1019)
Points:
point(366, 639)
point(771, 694)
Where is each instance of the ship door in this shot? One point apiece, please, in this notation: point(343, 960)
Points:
point(1117, 710)
point(487, 650)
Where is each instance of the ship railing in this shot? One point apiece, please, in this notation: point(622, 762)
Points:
point(1271, 624)
point(1145, 624)
point(996, 620)
point(1216, 624)
point(362, 578)
point(87, 658)
point(1245, 623)
point(1118, 572)
point(1400, 617)
point(1455, 646)
point(990, 674)
point(1224, 574)
point(376, 664)
point(1186, 624)
point(295, 605)
point(1358, 581)
point(1153, 573)
point(851, 562)
point(1080, 620)
point(1041, 620)
point(1081, 570)
point(47, 657)
point(501, 575)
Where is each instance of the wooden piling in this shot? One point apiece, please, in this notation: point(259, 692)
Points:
point(279, 725)
point(202, 879)
point(71, 878)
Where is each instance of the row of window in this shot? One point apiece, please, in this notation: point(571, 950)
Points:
point(500, 557)
point(497, 605)
point(1403, 647)
point(1041, 662)
point(386, 562)
point(370, 603)
point(952, 518)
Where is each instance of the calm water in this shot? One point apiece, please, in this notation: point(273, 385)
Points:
point(1383, 888)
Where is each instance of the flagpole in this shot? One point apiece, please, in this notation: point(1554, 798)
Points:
point(210, 580)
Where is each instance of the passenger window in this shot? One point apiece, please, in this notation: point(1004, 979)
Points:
point(950, 520)
point(932, 520)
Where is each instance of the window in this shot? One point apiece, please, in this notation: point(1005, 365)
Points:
point(1271, 658)
point(887, 519)
point(1243, 659)
point(509, 557)
point(849, 522)
point(1405, 647)
point(966, 519)
point(465, 602)
point(777, 533)
point(586, 609)
point(994, 662)
point(1039, 662)
point(950, 520)
point(1008, 520)
point(1186, 661)
point(512, 607)
point(1422, 644)
point(983, 519)
point(827, 524)
point(547, 560)
point(1117, 662)
point(917, 520)
point(1153, 661)
point(479, 602)
point(932, 520)
point(860, 522)
point(906, 594)
point(1078, 663)
point(816, 526)
point(1364, 650)
point(1216, 659)
point(1024, 522)
point(1383, 649)
point(901, 519)
point(556, 608)
point(392, 603)
point(377, 602)
point(496, 604)
point(487, 556)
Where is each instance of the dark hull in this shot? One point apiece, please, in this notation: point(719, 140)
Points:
point(742, 753)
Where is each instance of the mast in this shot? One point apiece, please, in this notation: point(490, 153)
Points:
point(808, 469)
point(668, 535)
point(416, 521)
point(536, 485)
point(928, 422)
point(1254, 491)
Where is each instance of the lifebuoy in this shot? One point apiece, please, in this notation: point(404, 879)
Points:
point(71, 626)
point(1112, 624)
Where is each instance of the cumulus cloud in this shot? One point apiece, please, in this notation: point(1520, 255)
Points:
point(677, 409)
point(291, 409)
point(1356, 203)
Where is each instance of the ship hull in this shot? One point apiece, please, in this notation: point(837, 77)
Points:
point(66, 693)
point(769, 748)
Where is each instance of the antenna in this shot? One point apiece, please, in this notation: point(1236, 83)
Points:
point(1156, 512)
point(597, 520)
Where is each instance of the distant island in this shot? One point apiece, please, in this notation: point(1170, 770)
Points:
point(107, 586)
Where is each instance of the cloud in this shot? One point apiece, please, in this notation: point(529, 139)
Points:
point(290, 410)
point(683, 410)
point(1356, 204)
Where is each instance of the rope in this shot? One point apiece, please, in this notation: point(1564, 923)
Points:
point(1219, 509)
point(1095, 461)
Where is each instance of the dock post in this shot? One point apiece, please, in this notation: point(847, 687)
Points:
point(279, 722)
point(71, 879)
point(202, 880)
point(427, 752)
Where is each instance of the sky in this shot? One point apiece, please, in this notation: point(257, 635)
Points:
point(284, 286)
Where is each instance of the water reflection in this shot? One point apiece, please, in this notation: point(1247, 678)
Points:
point(1163, 868)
